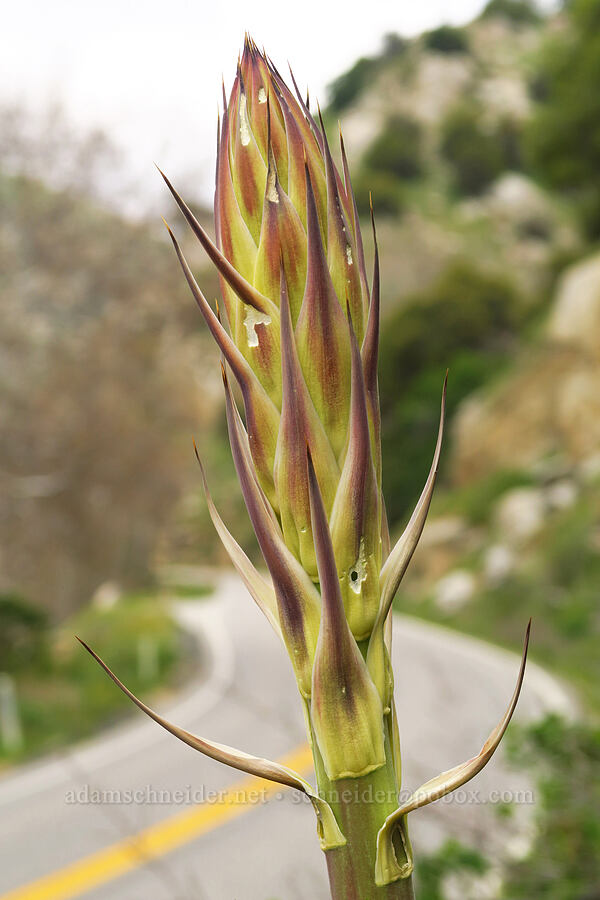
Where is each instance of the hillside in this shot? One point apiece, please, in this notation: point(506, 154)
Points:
point(442, 129)
point(435, 129)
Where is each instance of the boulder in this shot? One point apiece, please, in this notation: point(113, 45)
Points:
point(575, 317)
point(549, 405)
point(589, 468)
point(516, 199)
point(561, 494)
point(498, 563)
point(444, 530)
point(455, 590)
point(519, 515)
point(469, 886)
point(107, 595)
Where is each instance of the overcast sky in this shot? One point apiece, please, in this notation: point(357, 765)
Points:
point(149, 72)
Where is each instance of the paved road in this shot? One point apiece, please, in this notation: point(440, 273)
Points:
point(450, 691)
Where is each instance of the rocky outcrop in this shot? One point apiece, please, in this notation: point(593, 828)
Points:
point(550, 404)
point(575, 317)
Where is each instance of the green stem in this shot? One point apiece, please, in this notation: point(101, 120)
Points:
point(361, 806)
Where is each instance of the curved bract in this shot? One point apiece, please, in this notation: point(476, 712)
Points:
point(329, 832)
point(387, 867)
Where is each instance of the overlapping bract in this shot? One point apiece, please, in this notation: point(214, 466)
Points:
point(297, 300)
point(302, 339)
point(286, 220)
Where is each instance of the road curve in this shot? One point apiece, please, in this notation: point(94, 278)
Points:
point(57, 843)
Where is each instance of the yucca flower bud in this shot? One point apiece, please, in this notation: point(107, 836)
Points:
point(300, 334)
point(303, 325)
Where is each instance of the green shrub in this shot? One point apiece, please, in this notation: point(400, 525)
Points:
point(346, 88)
point(464, 309)
point(383, 188)
point(398, 149)
point(349, 85)
point(22, 633)
point(522, 12)
point(564, 863)
point(432, 871)
point(573, 562)
point(394, 46)
point(538, 87)
point(564, 134)
point(475, 500)
point(509, 134)
point(70, 697)
point(474, 154)
point(464, 321)
point(446, 39)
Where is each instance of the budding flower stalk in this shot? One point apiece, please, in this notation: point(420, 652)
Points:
point(300, 338)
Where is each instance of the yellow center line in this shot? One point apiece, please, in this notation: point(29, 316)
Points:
point(115, 860)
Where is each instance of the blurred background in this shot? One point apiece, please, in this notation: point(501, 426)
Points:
point(478, 134)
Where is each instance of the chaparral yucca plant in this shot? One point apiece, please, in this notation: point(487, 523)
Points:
point(301, 339)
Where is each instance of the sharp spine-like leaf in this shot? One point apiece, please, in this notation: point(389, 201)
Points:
point(346, 712)
point(356, 517)
point(330, 833)
point(299, 424)
point(262, 416)
point(243, 288)
point(261, 592)
point(396, 564)
point(370, 353)
point(443, 784)
point(355, 228)
point(297, 599)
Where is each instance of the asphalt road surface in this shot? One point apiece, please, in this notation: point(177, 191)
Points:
point(136, 815)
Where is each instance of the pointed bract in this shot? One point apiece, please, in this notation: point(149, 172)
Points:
point(356, 514)
point(322, 337)
point(369, 353)
point(297, 599)
point(355, 229)
point(262, 416)
point(261, 592)
point(282, 238)
point(300, 425)
point(342, 256)
point(397, 562)
point(395, 566)
point(249, 174)
point(346, 711)
point(328, 828)
point(446, 782)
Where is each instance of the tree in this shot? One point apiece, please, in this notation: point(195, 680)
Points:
point(564, 135)
point(473, 152)
point(98, 399)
